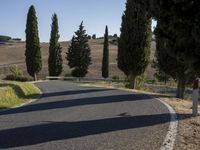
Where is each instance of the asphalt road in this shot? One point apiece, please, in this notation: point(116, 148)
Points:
point(71, 117)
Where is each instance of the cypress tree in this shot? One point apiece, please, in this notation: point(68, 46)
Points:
point(55, 53)
point(180, 23)
point(134, 41)
point(167, 63)
point(32, 53)
point(79, 52)
point(105, 60)
point(179, 27)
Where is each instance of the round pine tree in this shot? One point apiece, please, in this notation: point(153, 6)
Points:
point(55, 54)
point(32, 53)
point(105, 61)
point(134, 41)
point(78, 55)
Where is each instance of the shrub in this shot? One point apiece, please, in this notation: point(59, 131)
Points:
point(18, 78)
point(16, 71)
point(141, 80)
point(116, 77)
point(17, 75)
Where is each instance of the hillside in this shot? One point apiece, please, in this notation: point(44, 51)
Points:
point(13, 53)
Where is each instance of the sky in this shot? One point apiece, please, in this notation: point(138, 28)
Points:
point(95, 14)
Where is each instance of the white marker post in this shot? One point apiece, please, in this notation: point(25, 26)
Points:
point(195, 97)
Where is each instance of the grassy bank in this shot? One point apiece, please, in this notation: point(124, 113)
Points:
point(14, 94)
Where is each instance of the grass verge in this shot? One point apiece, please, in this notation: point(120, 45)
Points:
point(188, 136)
point(13, 94)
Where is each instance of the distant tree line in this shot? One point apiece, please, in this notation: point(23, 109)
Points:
point(4, 38)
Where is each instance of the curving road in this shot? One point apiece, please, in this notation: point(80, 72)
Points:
point(71, 117)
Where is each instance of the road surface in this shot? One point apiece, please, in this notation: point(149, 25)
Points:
point(71, 117)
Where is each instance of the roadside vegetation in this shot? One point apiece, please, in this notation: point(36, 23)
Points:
point(13, 94)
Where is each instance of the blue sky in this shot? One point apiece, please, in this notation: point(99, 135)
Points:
point(96, 14)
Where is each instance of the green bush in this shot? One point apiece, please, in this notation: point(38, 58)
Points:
point(140, 80)
point(16, 71)
point(17, 75)
point(116, 77)
point(18, 78)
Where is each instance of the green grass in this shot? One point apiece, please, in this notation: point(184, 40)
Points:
point(16, 93)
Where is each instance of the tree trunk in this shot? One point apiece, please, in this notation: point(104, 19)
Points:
point(132, 79)
point(181, 88)
point(35, 77)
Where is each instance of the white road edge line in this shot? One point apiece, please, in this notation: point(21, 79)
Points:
point(170, 138)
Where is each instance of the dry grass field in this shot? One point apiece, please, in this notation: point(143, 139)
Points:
point(13, 53)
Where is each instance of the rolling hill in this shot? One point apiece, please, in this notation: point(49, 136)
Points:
point(13, 53)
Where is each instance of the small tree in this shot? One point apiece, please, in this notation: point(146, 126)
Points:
point(55, 53)
point(115, 36)
point(105, 60)
point(78, 54)
point(32, 53)
point(134, 41)
point(94, 36)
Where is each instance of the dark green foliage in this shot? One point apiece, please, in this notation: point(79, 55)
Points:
point(16, 39)
point(168, 64)
point(55, 54)
point(181, 23)
point(33, 53)
point(4, 38)
point(89, 37)
point(18, 78)
point(162, 76)
point(115, 36)
point(134, 41)
point(94, 36)
point(78, 54)
point(105, 60)
point(17, 75)
point(179, 27)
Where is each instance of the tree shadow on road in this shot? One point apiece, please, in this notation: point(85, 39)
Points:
point(54, 131)
point(78, 102)
point(72, 92)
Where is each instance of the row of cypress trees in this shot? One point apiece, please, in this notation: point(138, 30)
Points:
point(78, 55)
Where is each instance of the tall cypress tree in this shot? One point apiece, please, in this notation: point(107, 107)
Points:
point(134, 41)
point(55, 53)
point(180, 23)
point(169, 64)
point(179, 27)
point(105, 61)
point(78, 55)
point(32, 53)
